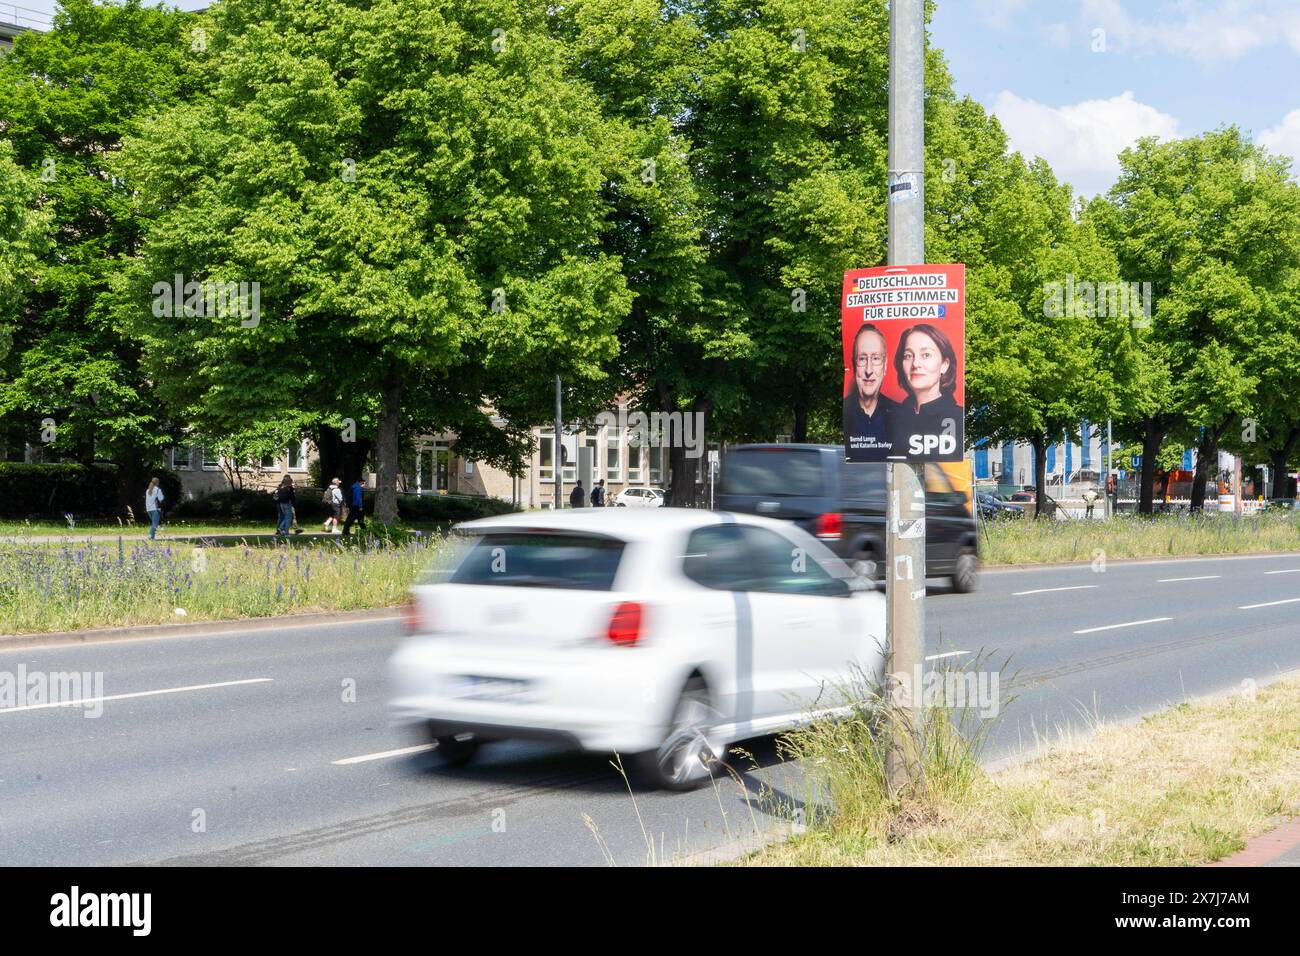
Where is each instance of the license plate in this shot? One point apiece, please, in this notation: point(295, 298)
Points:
point(475, 687)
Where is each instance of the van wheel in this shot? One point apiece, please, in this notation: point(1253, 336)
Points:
point(690, 753)
point(456, 750)
point(965, 576)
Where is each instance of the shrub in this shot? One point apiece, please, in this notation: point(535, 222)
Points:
point(85, 491)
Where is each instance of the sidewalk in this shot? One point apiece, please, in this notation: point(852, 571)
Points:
point(1278, 847)
point(229, 538)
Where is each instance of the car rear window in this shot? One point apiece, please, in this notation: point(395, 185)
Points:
point(574, 562)
point(774, 473)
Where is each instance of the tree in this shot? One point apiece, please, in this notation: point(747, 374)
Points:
point(67, 97)
point(23, 233)
point(416, 189)
point(1213, 224)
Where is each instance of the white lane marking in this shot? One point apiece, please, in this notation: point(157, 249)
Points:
point(142, 693)
point(1077, 587)
point(1199, 577)
point(935, 657)
point(1247, 607)
point(380, 756)
point(1286, 571)
point(1111, 627)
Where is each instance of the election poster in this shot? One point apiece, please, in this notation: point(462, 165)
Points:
point(904, 340)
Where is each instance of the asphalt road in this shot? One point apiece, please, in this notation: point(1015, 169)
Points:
point(272, 747)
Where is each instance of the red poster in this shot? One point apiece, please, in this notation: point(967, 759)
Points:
point(904, 341)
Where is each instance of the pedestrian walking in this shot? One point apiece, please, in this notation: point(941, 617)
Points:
point(577, 497)
point(598, 494)
point(356, 509)
point(285, 499)
point(333, 501)
point(153, 504)
point(1090, 500)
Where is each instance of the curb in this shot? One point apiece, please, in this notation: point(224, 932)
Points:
point(197, 629)
point(993, 568)
point(1266, 848)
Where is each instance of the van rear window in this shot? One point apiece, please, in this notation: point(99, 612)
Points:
point(774, 473)
point(574, 562)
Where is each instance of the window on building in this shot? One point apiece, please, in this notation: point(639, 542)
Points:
point(656, 465)
point(545, 458)
point(183, 458)
point(211, 459)
point(614, 453)
point(298, 456)
point(635, 456)
point(270, 462)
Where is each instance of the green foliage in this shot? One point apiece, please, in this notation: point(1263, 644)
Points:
point(53, 490)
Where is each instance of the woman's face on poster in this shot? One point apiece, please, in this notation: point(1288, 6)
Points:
point(923, 366)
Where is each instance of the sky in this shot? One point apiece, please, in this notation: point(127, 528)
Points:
point(1075, 81)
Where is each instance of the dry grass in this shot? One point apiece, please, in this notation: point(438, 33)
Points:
point(1182, 788)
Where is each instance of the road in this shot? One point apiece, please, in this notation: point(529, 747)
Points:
point(272, 747)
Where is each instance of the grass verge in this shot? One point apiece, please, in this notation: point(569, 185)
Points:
point(1131, 536)
point(46, 588)
point(1184, 787)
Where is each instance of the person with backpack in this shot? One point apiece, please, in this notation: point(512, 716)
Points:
point(598, 494)
point(577, 497)
point(153, 502)
point(356, 509)
point(285, 499)
point(333, 500)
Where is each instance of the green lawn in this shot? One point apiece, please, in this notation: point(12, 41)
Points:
point(74, 585)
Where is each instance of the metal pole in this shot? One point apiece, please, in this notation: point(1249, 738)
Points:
point(905, 557)
point(557, 449)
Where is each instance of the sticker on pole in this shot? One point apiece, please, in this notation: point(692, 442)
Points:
point(904, 342)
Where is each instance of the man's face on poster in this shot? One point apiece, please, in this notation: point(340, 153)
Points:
point(869, 364)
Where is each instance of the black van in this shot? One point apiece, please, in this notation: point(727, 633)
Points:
point(843, 504)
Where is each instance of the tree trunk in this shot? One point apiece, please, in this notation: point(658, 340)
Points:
point(386, 466)
point(1039, 444)
point(800, 423)
point(682, 491)
point(1278, 457)
point(132, 478)
point(1152, 438)
point(340, 459)
point(1207, 458)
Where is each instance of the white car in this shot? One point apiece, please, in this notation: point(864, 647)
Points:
point(639, 498)
point(662, 637)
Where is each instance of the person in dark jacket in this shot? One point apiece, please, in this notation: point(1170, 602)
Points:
point(577, 497)
point(284, 497)
point(926, 364)
point(356, 509)
point(598, 494)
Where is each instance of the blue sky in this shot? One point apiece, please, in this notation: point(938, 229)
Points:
point(1075, 81)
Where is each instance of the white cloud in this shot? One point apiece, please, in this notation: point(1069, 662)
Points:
point(1058, 35)
point(1284, 138)
point(1199, 29)
point(999, 13)
point(1082, 141)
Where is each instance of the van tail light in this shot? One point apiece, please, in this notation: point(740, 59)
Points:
point(625, 624)
point(829, 526)
point(413, 620)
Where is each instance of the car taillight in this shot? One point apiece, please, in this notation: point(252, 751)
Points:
point(625, 624)
point(412, 620)
point(830, 525)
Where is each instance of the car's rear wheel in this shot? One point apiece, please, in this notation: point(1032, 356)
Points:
point(691, 752)
point(456, 750)
point(965, 575)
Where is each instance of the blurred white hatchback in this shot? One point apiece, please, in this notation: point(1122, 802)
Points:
point(639, 498)
point(660, 637)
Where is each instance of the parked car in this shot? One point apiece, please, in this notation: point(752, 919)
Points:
point(639, 498)
point(660, 637)
point(992, 508)
point(843, 504)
